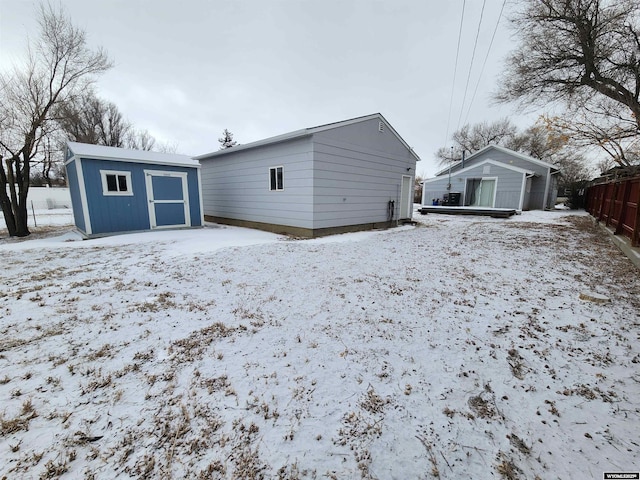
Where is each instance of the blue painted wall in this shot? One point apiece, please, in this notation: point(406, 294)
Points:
point(129, 213)
point(76, 200)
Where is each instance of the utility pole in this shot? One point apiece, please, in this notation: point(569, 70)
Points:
point(450, 163)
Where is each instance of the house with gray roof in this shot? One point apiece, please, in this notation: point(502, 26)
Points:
point(351, 175)
point(495, 177)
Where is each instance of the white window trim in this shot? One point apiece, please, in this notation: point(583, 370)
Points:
point(276, 170)
point(495, 191)
point(105, 189)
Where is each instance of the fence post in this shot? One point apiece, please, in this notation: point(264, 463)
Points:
point(623, 207)
point(601, 194)
point(635, 235)
point(33, 212)
point(612, 202)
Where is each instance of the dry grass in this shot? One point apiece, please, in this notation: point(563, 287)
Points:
point(19, 422)
point(516, 363)
point(481, 406)
point(507, 469)
point(372, 402)
point(518, 443)
point(194, 346)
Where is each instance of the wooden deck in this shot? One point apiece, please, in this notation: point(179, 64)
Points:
point(492, 212)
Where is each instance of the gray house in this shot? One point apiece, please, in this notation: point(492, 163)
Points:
point(352, 175)
point(495, 177)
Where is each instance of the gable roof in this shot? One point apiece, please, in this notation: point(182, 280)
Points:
point(503, 150)
point(100, 152)
point(489, 161)
point(307, 132)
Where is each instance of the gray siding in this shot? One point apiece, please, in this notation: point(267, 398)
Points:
point(357, 171)
point(508, 185)
point(538, 183)
point(236, 185)
point(536, 196)
point(534, 199)
point(436, 188)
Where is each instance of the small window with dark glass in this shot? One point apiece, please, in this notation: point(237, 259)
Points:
point(276, 178)
point(116, 183)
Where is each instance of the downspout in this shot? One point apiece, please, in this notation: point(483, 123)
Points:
point(523, 190)
point(546, 190)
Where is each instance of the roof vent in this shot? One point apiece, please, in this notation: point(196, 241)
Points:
point(380, 126)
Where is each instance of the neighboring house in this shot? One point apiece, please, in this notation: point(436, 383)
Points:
point(496, 177)
point(119, 190)
point(351, 175)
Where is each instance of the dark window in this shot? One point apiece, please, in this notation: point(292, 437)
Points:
point(116, 183)
point(122, 183)
point(276, 178)
point(112, 186)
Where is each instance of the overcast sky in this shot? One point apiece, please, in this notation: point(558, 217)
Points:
point(186, 70)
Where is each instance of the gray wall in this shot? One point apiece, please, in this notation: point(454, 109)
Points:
point(508, 186)
point(536, 196)
point(357, 170)
point(236, 185)
point(533, 200)
point(338, 177)
point(436, 188)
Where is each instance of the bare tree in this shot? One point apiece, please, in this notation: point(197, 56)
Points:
point(602, 125)
point(90, 119)
point(58, 67)
point(541, 140)
point(140, 140)
point(471, 138)
point(584, 55)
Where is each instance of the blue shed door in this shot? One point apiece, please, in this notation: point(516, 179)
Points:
point(168, 196)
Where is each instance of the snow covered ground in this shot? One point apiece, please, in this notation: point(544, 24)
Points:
point(455, 349)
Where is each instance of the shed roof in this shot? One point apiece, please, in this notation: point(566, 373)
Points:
point(306, 132)
point(484, 162)
point(101, 152)
point(501, 149)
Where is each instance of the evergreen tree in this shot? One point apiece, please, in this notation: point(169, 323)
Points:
point(227, 141)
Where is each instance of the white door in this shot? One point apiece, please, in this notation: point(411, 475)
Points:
point(406, 199)
point(168, 196)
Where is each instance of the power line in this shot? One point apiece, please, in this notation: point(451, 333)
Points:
point(455, 68)
point(485, 61)
point(475, 44)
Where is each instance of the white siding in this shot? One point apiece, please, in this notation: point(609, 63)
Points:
point(357, 171)
point(236, 185)
point(338, 177)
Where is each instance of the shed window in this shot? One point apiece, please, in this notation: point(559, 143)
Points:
point(276, 178)
point(116, 183)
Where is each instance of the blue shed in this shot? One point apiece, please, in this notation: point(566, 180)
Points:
point(116, 190)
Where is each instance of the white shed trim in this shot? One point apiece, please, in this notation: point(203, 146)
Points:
point(83, 197)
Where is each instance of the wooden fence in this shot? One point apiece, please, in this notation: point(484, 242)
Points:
point(617, 203)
